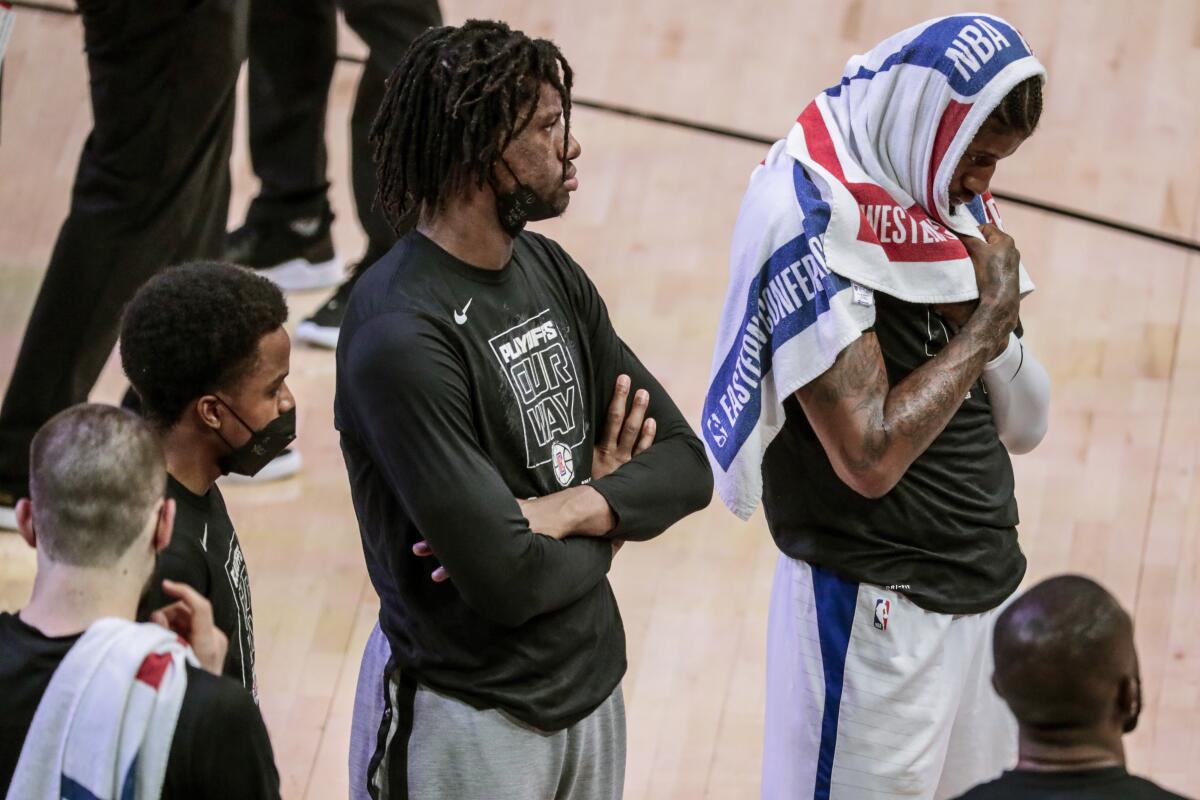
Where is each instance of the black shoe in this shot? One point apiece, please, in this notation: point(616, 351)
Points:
point(296, 255)
point(322, 328)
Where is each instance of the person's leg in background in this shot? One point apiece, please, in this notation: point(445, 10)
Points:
point(292, 51)
point(388, 27)
point(151, 189)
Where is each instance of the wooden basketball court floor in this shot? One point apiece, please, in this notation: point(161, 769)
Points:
point(1113, 492)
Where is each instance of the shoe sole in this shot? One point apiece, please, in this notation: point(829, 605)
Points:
point(276, 470)
point(299, 274)
point(8, 518)
point(318, 335)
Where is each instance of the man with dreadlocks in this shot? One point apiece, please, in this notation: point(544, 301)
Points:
point(872, 331)
point(483, 399)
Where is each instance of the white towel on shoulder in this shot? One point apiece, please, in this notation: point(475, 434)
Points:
point(104, 727)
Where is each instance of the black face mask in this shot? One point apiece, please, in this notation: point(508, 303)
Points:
point(262, 446)
point(521, 205)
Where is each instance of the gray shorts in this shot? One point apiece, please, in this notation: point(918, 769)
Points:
point(410, 742)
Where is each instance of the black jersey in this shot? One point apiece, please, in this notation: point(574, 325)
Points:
point(205, 554)
point(946, 535)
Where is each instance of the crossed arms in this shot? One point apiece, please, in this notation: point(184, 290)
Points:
point(412, 391)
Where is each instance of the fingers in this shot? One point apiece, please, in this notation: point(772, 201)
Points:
point(649, 428)
point(175, 615)
point(972, 243)
point(615, 416)
point(991, 236)
point(990, 232)
point(423, 549)
point(633, 422)
point(189, 597)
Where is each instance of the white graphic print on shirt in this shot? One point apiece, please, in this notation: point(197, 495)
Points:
point(239, 582)
point(542, 374)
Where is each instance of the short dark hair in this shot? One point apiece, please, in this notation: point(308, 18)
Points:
point(195, 329)
point(95, 475)
point(1057, 649)
point(452, 105)
point(1021, 109)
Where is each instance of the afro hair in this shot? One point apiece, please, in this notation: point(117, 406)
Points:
point(195, 329)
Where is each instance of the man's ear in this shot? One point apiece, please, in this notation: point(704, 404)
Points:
point(1129, 696)
point(24, 512)
point(206, 409)
point(164, 526)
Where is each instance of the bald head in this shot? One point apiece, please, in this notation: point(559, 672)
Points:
point(1065, 659)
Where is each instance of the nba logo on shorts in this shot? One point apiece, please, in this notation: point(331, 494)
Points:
point(563, 463)
point(882, 609)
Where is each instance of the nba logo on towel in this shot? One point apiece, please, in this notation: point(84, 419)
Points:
point(563, 463)
point(882, 609)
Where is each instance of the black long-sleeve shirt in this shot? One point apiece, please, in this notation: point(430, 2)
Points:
point(458, 390)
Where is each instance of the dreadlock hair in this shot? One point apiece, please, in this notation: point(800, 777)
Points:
point(452, 106)
point(1021, 108)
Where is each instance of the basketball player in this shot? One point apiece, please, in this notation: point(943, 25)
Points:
point(97, 518)
point(889, 491)
point(475, 372)
point(204, 347)
point(1067, 667)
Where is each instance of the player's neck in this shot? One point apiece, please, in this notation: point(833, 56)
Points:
point(190, 461)
point(66, 599)
point(468, 228)
point(1097, 752)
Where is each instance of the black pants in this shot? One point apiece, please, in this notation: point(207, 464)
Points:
point(151, 190)
point(293, 49)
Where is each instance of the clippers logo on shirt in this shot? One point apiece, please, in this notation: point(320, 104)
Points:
point(542, 375)
point(883, 608)
point(563, 463)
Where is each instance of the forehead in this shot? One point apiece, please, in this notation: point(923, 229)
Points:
point(273, 354)
point(548, 101)
point(995, 141)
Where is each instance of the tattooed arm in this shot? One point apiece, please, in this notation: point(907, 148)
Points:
point(872, 431)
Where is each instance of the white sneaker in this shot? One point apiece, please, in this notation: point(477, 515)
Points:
point(300, 274)
point(284, 465)
point(296, 255)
